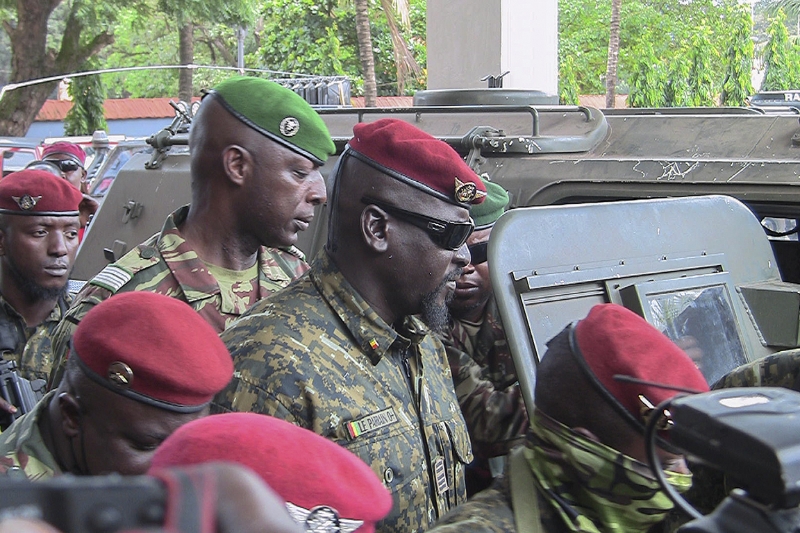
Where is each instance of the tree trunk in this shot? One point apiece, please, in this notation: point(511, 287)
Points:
point(186, 52)
point(613, 54)
point(31, 60)
point(365, 53)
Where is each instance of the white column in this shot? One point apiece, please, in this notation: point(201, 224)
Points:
point(470, 39)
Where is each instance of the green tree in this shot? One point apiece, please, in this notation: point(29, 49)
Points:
point(701, 74)
point(779, 63)
point(613, 53)
point(567, 84)
point(737, 85)
point(86, 114)
point(647, 81)
point(677, 92)
point(36, 53)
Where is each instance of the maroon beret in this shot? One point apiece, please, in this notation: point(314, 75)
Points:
point(72, 150)
point(153, 349)
point(407, 153)
point(616, 341)
point(318, 478)
point(38, 192)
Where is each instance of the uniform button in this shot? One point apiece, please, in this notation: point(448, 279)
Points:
point(388, 475)
point(147, 253)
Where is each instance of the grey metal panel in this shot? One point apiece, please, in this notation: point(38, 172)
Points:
point(562, 260)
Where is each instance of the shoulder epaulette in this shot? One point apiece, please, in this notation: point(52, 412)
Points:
point(112, 278)
point(295, 251)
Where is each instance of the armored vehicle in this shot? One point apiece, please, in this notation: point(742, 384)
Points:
point(550, 155)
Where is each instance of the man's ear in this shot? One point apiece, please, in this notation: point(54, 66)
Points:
point(374, 228)
point(70, 414)
point(238, 163)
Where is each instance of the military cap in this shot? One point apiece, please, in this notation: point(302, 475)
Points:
point(322, 482)
point(277, 113)
point(412, 156)
point(614, 341)
point(73, 151)
point(153, 349)
point(38, 192)
point(493, 206)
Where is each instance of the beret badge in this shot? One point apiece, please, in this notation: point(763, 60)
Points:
point(467, 192)
point(322, 519)
point(120, 374)
point(289, 127)
point(26, 202)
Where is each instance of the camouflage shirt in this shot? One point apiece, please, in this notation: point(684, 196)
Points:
point(167, 265)
point(486, 385)
point(22, 447)
point(29, 347)
point(316, 354)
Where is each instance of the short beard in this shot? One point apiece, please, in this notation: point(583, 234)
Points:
point(32, 290)
point(435, 312)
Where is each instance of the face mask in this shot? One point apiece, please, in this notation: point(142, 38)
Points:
point(592, 487)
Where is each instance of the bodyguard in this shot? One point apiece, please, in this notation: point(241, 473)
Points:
point(256, 150)
point(340, 352)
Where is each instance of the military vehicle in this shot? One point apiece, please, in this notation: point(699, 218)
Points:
point(549, 155)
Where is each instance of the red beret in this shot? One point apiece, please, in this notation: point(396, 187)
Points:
point(38, 192)
point(317, 477)
point(407, 153)
point(153, 349)
point(616, 341)
point(65, 148)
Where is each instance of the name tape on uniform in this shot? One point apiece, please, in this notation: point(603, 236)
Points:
point(371, 422)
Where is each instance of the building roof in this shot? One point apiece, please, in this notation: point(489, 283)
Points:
point(132, 108)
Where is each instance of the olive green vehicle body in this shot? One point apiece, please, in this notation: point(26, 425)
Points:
point(569, 156)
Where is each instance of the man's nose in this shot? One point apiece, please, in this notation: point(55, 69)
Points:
point(462, 257)
point(317, 194)
point(57, 244)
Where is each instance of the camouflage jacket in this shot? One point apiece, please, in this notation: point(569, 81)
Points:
point(22, 448)
point(28, 347)
point(167, 265)
point(316, 354)
point(486, 385)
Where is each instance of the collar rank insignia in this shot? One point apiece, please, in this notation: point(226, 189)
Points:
point(467, 192)
point(26, 202)
point(289, 127)
point(322, 519)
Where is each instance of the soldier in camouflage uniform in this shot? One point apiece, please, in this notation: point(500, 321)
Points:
point(256, 152)
point(480, 361)
point(120, 396)
point(583, 466)
point(39, 222)
point(340, 351)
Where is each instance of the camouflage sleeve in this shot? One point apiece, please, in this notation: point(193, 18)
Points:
point(488, 512)
point(90, 296)
point(496, 419)
point(781, 369)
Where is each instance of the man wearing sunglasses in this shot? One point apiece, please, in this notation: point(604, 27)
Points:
point(483, 372)
point(341, 351)
point(70, 160)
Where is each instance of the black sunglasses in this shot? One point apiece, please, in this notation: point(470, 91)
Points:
point(448, 235)
point(65, 165)
point(478, 252)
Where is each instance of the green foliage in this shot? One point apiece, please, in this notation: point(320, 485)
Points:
point(678, 92)
point(648, 80)
point(87, 114)
point(701, 72)
point(780, 57)
point(567, 83)
point(310, 37)
point(670, 27)
point(737, 85)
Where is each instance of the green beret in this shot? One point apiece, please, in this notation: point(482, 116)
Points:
point(486, 213)
point(277, 112)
